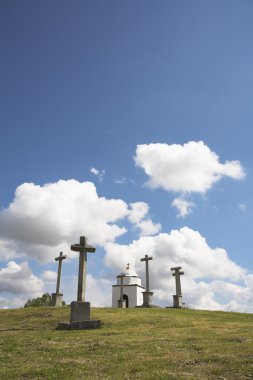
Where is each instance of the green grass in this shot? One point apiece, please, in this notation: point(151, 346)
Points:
point(131, 344)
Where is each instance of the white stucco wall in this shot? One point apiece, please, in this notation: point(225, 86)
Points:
point(129, 280)
point(134, 293)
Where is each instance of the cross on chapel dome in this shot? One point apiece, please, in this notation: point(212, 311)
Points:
point(128, 272)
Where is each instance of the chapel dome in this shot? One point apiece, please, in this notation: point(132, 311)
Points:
point(128, 272)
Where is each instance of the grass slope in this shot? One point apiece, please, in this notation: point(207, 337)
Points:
point(132, 344)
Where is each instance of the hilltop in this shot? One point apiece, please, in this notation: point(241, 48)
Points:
point(131, 344)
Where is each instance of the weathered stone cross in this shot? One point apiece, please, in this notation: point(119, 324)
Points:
point(82, 248)
point(177, 275)
point(60, 259)
point(121, 301)
point(121, 276)
point(146, 259)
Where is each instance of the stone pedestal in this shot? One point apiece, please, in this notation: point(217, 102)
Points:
point(79, 318)
point(57, 299)
point(147, 299)
point(177, 301)
point(79, 311)
point(122, 304)
point(83, 325)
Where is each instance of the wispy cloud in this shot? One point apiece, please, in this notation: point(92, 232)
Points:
point(183, 206)
point(124, 181)
point(99, 173)
point(120, 181)
point(242, 207)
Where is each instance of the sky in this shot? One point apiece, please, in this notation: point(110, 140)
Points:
point(130, 123)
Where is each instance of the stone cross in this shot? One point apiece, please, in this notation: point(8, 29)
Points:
point(121, 301)
point(121, 286)
point(60, 259)
point(146, 259)
point(82, 248)
point(177, 275)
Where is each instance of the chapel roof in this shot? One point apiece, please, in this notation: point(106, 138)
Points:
point(128, 272)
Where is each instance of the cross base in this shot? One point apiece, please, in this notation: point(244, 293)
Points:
point(147, 299)
point(81, 325)
point(122, 304)
point(56, 299)
point(79, 311)
point(79, 318)
point(177, 301)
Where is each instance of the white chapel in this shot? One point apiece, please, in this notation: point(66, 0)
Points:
point(132, 289)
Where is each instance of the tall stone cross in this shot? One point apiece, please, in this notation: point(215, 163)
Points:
point(82, 248)
point(60, 259)
point(121, 301)
point(146, 259)
point(121, 276)
point(177, 275)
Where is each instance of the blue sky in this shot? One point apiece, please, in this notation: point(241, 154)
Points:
point(83, 83)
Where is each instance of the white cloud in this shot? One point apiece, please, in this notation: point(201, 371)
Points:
point(18, 279)
point(44, 220)
point(148, 227)
point(211, 281)
point(139, 211)
point(27, 286)
point(94, 171)
point(99, 291)
point(49, 276)
point(13, 302)
point(7, 250)
point(184, 246)
point(184, 207)
point(99, 173)
point(191, 167)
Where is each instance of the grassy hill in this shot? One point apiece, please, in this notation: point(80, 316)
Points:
point(131, 344)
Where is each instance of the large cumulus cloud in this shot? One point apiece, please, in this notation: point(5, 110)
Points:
point(211, 278)
point(191, 167)
point(43, 220)
point(18, 283)
point(184, 169)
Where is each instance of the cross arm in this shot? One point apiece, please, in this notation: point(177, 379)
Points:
point(79, 248)
point(177, 273)
point(60, 258)
point(89, 248)
point(146, 258)
point(175, 268)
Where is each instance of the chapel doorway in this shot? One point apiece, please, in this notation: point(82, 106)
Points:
point(125, 298)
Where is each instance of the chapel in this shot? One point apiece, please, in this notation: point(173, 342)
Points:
point(132, 289)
